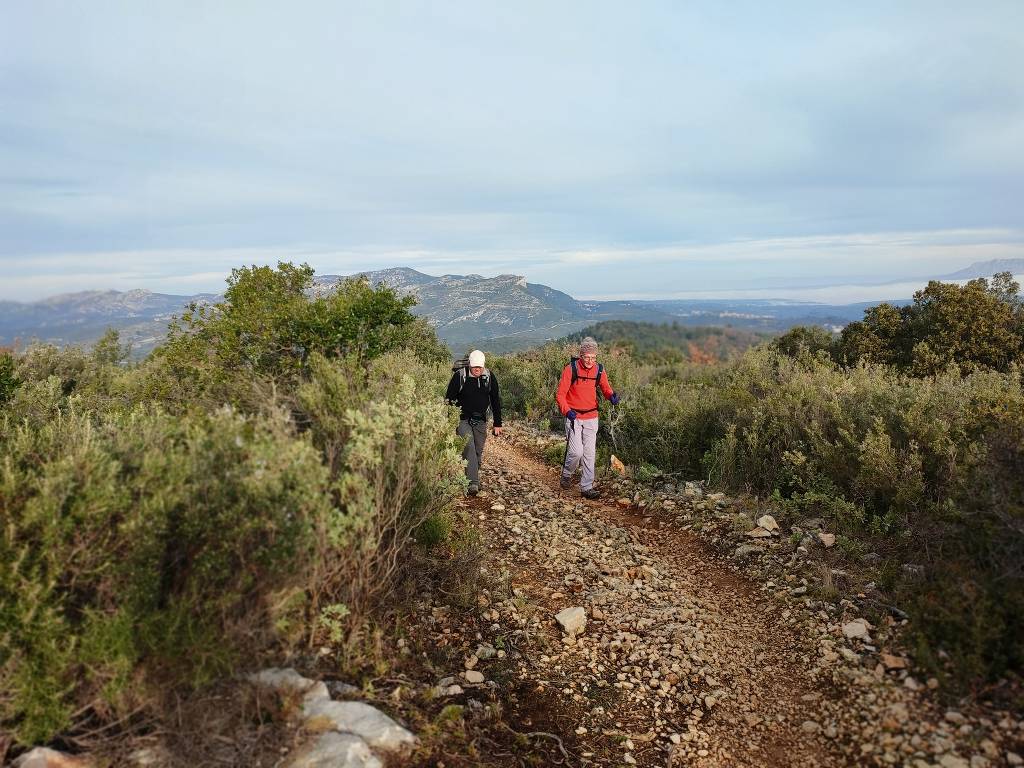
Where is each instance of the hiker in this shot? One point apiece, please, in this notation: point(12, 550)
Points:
point(581, 380)
point(475, 390)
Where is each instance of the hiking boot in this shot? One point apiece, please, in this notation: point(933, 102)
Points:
point(474, 489)
point(591, 493)
point(565, 483)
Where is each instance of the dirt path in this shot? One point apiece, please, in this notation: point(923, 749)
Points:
point(684, 660)
point(681, 657)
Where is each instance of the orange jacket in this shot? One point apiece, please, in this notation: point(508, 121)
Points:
point(581, 396)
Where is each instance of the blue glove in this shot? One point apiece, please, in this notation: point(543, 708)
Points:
point(570, 415)
point(614, 399)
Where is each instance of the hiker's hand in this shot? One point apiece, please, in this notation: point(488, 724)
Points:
point(570, 415)
point(496, 431)
point(614, 399)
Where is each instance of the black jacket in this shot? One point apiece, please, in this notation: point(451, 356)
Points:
point(475, 398)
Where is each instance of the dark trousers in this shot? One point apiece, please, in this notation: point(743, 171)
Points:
point(473, 453)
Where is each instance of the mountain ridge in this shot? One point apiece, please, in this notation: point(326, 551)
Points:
point(499, 314)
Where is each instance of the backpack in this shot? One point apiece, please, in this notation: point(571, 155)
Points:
point(576, 375)
point(462, 368)
point(597, 380)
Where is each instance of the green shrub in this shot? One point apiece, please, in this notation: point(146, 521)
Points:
point(141, 543)
point(8, 377)
point(397, 464)
point(976, 326)
point(260, 339)
point(257, 481)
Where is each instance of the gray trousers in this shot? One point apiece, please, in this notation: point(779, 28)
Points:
point(580, 448)
point(473, 453)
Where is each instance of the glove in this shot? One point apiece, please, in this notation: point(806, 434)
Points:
point(570, 415)
point(614, 399)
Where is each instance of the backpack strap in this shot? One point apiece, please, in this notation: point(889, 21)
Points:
point(597, 380)
point(464, 377)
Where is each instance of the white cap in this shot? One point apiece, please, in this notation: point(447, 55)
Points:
point(476, 359)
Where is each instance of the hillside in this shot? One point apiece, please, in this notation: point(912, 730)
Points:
point(141, 316)
point(672, 341)
point(988, 268)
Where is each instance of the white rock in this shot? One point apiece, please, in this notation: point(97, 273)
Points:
point(952, 761)
point(147, 756)
point(768, 523)
point(759, 533)
point(473, 676)
point(373, 726)
point(858, 628)
point(573, 620)
point(43, 757)
point(827, 539)
point(337, 750)
point(1012, 758)
point(288, 679)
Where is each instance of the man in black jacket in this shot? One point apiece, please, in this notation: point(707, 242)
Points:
point(475, 390)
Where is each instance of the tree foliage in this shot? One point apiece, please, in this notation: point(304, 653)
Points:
point(976, 326)
point(671, 342)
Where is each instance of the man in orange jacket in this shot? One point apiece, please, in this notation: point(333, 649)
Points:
point(577, 401)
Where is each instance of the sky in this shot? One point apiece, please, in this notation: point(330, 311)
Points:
point(607, 149)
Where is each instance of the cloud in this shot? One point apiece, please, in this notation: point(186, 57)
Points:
point(492, 137)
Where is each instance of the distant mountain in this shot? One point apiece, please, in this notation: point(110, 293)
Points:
point(498, 314)
point(471, 310)
point(81, 318)
point(987, 269)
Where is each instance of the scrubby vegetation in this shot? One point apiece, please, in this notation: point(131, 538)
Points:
point(672, 342)
point(257, 484)
point(906, 434)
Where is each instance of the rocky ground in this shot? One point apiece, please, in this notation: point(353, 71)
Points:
point(681, 657)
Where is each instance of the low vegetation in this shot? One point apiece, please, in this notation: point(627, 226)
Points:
point(255, 485)
point(905, 434)
point(672, 342)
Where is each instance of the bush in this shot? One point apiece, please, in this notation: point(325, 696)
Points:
point(257, 482)
point(976, 326)
point(141, 538)
point(260, 340)
point(397, 464)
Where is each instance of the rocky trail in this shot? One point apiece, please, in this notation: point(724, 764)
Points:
point(672, 655)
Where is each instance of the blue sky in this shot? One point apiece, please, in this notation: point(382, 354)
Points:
point(606, 149)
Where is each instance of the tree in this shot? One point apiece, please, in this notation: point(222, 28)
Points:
point(269, 325)
point(804, 339)
point(979, 325)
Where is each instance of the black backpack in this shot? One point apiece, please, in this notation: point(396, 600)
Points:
point(462, 368)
